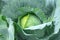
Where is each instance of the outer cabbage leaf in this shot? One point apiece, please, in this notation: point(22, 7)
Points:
point(34, 33)
point(3, 28)
point(6, 29)
point(11, 9)
point(55, 36)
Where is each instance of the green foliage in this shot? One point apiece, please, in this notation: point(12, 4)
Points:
point(3, 28)
point(32, 20)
